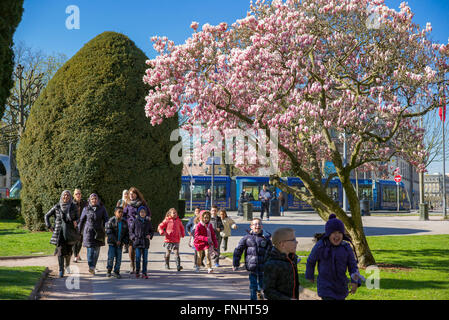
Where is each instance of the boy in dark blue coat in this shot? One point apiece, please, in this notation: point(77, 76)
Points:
point(334, 257)
point(117, 231)
point(255, 245)
point(141, 233)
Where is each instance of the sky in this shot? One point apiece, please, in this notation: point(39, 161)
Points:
point(44, 23)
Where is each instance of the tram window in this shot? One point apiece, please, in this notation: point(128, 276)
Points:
point(252, 190)
point(332, 192)
point(389, 194)
point(220, 192)
point(366, 192)
point(199, 192)
point(183, 192)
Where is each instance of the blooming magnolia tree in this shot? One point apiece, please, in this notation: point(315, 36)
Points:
point(316, 71)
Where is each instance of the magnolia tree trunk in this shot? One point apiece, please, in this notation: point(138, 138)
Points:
point(325, 205)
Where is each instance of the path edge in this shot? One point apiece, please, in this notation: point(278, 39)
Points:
point(35, 293)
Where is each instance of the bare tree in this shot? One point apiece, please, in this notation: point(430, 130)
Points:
point(33, 70)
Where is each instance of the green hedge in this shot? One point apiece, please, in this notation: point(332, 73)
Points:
point(181, 208)
point(88, 130)
point(10, 209)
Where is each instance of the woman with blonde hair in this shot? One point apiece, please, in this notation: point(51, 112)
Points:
point(80, 204)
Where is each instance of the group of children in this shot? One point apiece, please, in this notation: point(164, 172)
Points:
point(208, 231)
point(271, 260)
point(139, 232)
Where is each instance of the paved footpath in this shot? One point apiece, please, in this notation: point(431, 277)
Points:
point(223, 284)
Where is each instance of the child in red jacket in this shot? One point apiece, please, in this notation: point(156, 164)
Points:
point(205, 240)
point(173, 230)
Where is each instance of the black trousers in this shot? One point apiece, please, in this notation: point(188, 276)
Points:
point(265, 206)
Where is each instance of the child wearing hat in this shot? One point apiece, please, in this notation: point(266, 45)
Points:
point(334, 257)
point(140, 233)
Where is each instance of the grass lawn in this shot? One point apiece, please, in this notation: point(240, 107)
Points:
point(17, 283)
point(17, 241)
point(411, 267)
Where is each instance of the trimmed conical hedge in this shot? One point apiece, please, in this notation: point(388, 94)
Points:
point(88, 129)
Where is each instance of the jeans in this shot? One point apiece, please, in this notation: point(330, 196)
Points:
point(139, 253)
point(255, 284)
point(265, 206)
point(92, 256)
point(114, 252)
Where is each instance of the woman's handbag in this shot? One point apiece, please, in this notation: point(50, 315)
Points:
point(69, 233)
point(99, 235)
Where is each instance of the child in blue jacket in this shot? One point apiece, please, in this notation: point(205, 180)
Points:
point(334, 257)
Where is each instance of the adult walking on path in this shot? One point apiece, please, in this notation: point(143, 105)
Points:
point(80, 205)
point(265, 197)
point(64, 232)
point(135, 201)
point(93, 220)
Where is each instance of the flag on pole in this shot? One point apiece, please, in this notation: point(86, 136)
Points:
point(442, 111)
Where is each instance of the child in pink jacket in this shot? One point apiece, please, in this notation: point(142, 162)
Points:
point(173, 230)
point(205, 240)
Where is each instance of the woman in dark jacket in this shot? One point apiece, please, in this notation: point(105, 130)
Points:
point(135, 201)
point(93, 220)
point(65, 212)
point(80, 204)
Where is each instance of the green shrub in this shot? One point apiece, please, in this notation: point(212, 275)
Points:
point(10, 209)
point(88, 129)
point(11, 14)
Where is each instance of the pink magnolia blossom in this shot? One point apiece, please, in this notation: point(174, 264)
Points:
point(306, 69)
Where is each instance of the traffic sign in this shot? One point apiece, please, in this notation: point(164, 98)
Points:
point(398, 178)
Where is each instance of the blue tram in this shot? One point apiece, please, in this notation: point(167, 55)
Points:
point(382, 195)
point(222, 191)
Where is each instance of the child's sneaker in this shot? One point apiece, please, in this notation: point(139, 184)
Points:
point(137, 274)
point(108, 274)
point(92, 271)
point(210, 270)
point(144, 276)
point(117, 275)
point(196, 269)
point(217, 265)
